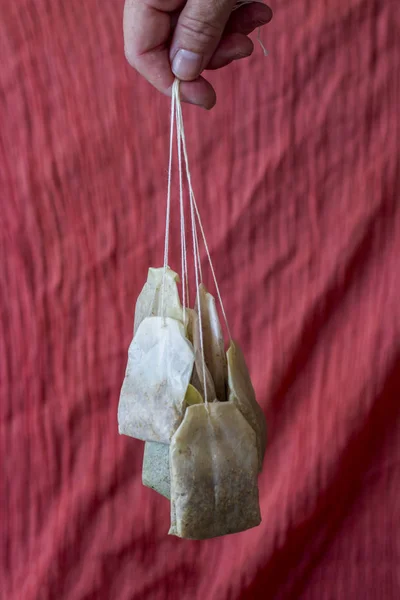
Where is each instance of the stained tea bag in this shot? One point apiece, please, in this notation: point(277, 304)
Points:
point(193, 404)
point(197, 380)
point(214, 467)
point(156, 471)
point(214, 346)
point(160, 365)
point(241, 393)
point(149, 301)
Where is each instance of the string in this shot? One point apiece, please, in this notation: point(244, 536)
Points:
point(212, 271)
point(241, 3)
point(197, 212)
point(176, 109)
point(185, 287)
point(168, 211)
point(259, 40)
point(181, 133)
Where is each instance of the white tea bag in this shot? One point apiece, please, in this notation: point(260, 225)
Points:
point(214, 467)
point(149, 301)
point(241, 393)
point(213, 340)
point(160, 365)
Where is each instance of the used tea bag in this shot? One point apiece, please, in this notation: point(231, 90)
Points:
point(156, 472)
point(213, 340)
point(241, 393)
point(201, 424)
point(160, 365)
point(149, 301)
point(214, 466)
point(197, 380)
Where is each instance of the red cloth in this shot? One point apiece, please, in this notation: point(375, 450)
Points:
point(297, 175)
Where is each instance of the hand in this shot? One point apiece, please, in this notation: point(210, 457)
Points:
point(168, 38)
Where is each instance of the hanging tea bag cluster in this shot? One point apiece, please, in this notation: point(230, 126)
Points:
point(188, 398)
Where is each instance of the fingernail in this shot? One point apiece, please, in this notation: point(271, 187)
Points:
point(239, 55)
point(187, 65)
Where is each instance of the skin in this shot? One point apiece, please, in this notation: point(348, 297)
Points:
point(210, 35)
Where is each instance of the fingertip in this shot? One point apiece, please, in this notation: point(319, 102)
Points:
point(234, 46)
point(199, 92)
point(268, 14)
point(248, 17)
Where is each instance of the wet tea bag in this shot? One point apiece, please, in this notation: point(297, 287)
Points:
point(160, 365)
point(197, 380)
point(156, 471)
point(192, 403)
point(149, 301)
point(214, 467)
point(214, 345)
point(241, 393)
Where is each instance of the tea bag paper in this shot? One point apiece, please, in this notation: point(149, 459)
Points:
point(241, 393)
point(155, 473)
point(214, 465)
point(213, 340)
point(197, 380)
point(160, 364)
point(149, 301)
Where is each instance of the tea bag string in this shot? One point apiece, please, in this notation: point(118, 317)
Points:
point(185, 284)
point(195, 208)
point(196, 256)
point(168, 210)
point(185, 279)
point(241, 3)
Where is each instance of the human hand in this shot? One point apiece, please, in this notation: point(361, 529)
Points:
point(168, 38)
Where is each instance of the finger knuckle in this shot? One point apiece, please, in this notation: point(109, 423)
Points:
point(201, 28)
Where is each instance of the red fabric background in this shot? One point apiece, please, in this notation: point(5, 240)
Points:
point(297, 174)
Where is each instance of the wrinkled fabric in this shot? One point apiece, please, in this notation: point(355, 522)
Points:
point(296, 173)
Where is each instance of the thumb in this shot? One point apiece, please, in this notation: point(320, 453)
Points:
point(197, 35)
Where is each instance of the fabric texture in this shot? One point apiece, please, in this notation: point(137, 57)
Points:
point(296, 173)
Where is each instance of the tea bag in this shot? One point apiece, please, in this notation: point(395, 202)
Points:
point(156, 472)
point(214, 466)
point(197, 380)
point(213, 340)
point(149, 301)
point(160, 365)
point(241, 393)
point(200, 420)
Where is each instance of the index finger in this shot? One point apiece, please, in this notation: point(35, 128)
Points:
point(147, 34)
